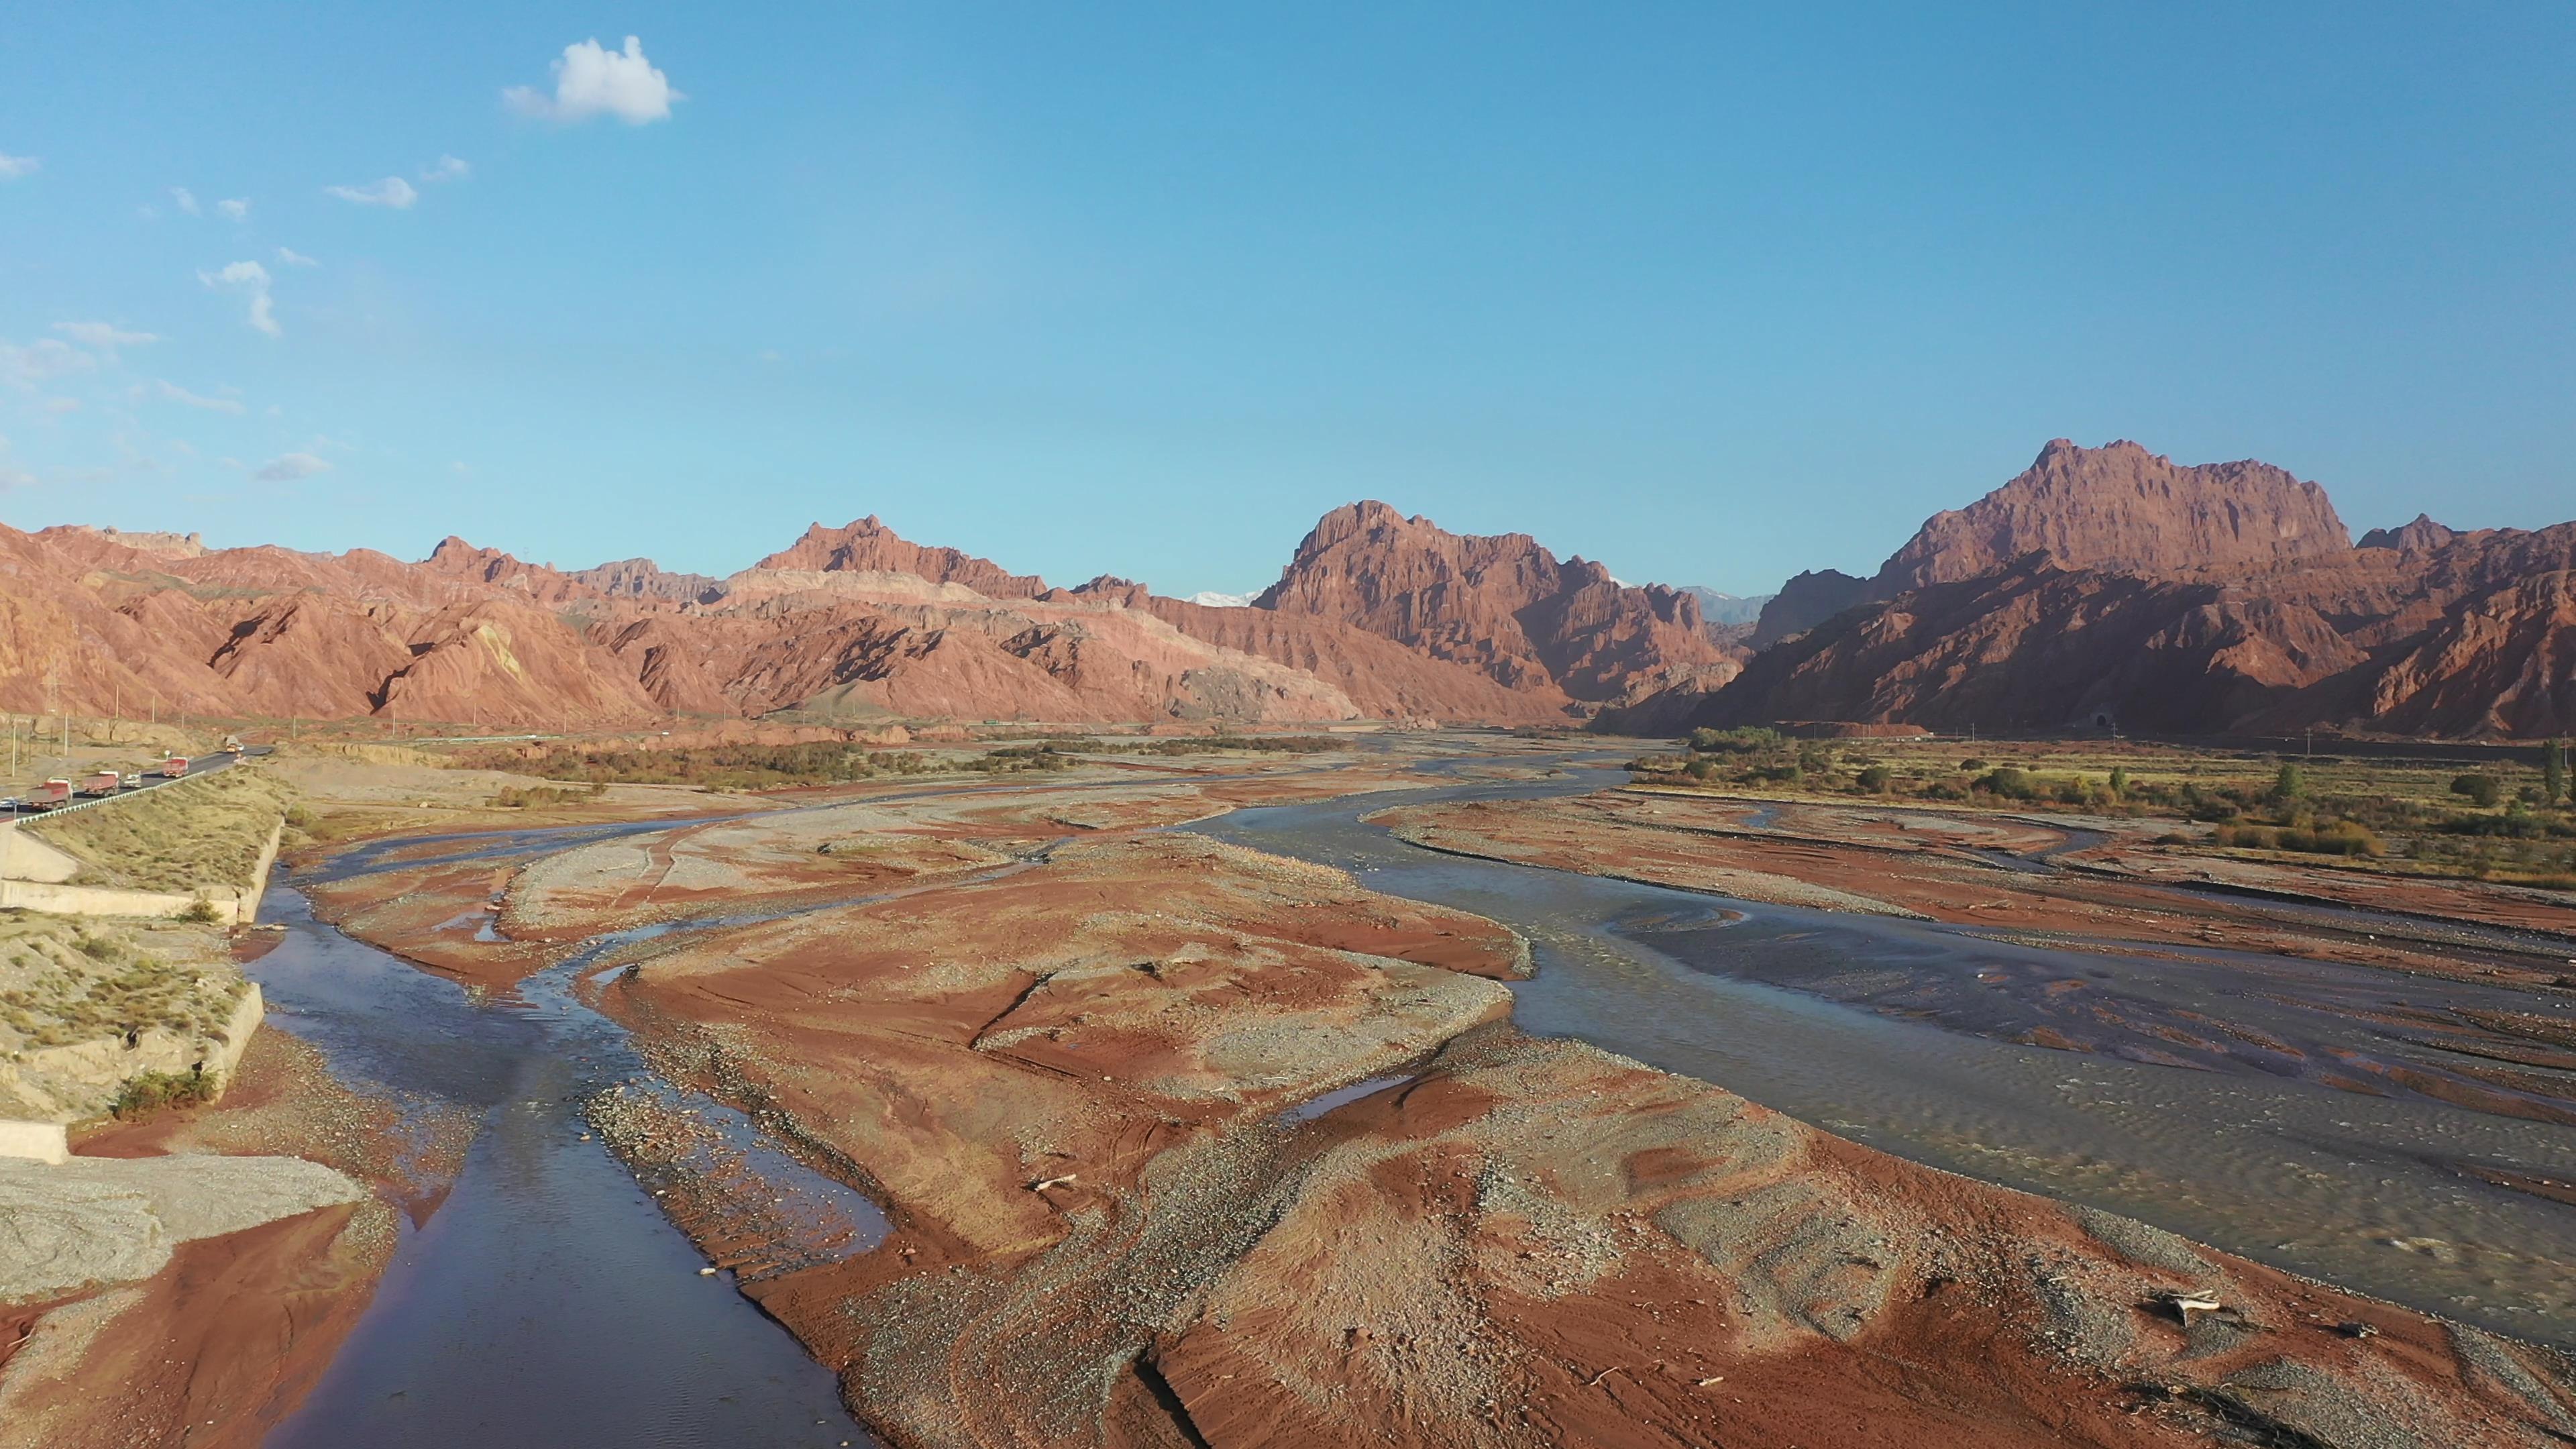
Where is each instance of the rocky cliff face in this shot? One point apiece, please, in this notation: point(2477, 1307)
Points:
point(1499, 603)
point(2250, 613)
point(853, 622)
point(641, 578)
point(2122, 509)
point(2117, 508)
point(868, 546)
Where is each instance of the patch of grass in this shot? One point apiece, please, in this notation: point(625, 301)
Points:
point(201, 834)
point(65, 980)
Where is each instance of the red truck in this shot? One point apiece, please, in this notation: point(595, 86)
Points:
point(174, 767)
point(50, 794)
point(102, 783)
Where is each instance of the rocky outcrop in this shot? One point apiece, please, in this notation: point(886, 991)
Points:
point(1500, 603)
point(641, 578)
point(2117, 508)
point(2122, 509)
point(1806, 601)
point(868, 546)
point(2423, 533)
point(2473, 636)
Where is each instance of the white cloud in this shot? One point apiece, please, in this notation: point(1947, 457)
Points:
point(236, 209)
point(393, 191)
point(252, 278)
point(289, 467)
point(449, 168)
point(104, 337)
point(13, 167)
point(41, 359)
point(11, 475)
point(60, 405)
point(293, 258)
point(591, 80)
point(1210, 598)
point(178, 394)
point(184, 199)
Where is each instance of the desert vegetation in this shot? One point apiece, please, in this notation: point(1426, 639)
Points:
point(64, 980)
point(200, 834)
point(2503, 820)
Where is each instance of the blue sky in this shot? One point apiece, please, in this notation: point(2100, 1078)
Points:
point(1709, 293)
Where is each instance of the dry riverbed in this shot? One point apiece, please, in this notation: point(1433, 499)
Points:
point(1185, 1143)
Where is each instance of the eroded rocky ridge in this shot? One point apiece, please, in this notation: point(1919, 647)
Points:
point(854, 623)
point(2117, 508)
point(2111, 587)
point(1500, 603)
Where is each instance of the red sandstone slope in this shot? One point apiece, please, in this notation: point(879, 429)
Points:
point(2122, 509)
point(1500, 603)
point(2424, 632)
point(868, 546)
point(850, 622)
point(2117, 508)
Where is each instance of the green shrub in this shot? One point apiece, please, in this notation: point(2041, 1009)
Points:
point(1876, 778)
point(1744, 740)
point(148, 1092)
point(2480, 790)
point(2009, 782)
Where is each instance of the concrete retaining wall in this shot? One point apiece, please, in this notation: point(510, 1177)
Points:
point(76, 1082)
point(236, 908)
point(24, 857)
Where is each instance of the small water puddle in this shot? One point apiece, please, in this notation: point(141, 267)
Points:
point(1308, 1111)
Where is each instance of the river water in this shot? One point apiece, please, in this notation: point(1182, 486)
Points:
point(2362, 1191)
point(549, 1301)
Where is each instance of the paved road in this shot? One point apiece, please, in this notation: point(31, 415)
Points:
point(197, 765)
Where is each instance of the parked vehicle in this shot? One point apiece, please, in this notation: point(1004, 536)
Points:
point(102, 783)
point(8, 804)
point(174, 767)
point(50, 794)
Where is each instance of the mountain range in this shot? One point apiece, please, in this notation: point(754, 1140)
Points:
point(2103, 587)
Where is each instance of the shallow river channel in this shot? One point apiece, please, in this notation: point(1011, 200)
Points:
point(550, 1302)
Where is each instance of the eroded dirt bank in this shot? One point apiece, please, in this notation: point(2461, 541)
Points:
point(217, 1345)
point(1082, 1078)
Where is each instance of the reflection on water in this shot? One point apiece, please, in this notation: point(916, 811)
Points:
point(1880, 1041)
point(548, 1302)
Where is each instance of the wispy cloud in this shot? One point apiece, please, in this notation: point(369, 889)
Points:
point(252, 278)
point(13, 167)
point(104, 337)
point(393, 191)
point(61, 405)
point(293, 258)
point(184, 199)
point(289, 467)
point(34, 362)
point(448, 168)
point(177, 394)
point(591, 80)
point(235, 209)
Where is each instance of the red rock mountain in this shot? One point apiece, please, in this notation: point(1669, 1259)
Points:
point(852, 623)
point(868, 546)
point(1500, 603)
point(2117, 508)
point(2173, 600)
